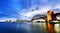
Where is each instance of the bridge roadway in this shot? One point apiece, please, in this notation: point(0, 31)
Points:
point(56, 14)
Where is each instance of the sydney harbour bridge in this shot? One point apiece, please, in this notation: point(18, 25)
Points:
point(50, 16)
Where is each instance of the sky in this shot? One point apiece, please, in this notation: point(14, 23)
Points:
point(26, 9)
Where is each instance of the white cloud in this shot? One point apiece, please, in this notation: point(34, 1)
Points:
point(56, 6)
point(42, 9)
point(30, 13)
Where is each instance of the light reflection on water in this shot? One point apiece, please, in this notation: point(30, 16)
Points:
point(29, 27)
point(57, 28)
point(46, 28)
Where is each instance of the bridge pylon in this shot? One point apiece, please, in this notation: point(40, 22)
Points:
point(50, 16)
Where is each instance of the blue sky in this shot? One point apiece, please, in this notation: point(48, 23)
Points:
point(26, 9)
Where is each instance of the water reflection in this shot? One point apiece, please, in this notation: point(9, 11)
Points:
point(29, 27)
point(51, 28)
point(57, 28)
point(46, 28)
point(16, 27)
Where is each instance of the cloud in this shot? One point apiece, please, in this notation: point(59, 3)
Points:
point(56, 8)
point(32, 12)
point(28, 14)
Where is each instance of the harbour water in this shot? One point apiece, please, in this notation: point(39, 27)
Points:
point(28, 27)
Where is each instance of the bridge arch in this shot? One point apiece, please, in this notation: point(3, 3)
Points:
point(37, 17)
